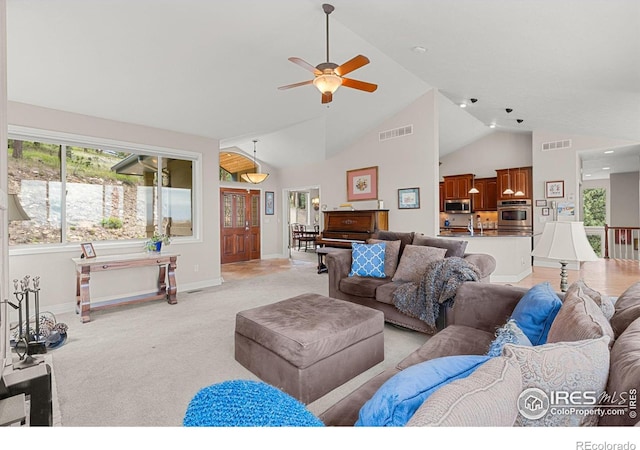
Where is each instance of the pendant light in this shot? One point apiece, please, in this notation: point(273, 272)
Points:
point(519, 193)
point(473, 189)
point(508, 190)
point(255, 177)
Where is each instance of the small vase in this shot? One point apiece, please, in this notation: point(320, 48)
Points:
point(158, 247)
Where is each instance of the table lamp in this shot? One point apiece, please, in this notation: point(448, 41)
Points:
point(564, 241)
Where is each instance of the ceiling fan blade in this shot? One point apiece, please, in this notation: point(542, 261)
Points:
point(327, 97)
point(289, 86)
point(302, 63)
point(351, 65)
point(362, 85)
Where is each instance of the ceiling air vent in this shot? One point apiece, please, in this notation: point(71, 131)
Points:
point(396, 133)
point(556, 145)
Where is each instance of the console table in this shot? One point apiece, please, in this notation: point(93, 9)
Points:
point(166, 263)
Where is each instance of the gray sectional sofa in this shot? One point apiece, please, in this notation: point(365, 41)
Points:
point(378, 293)
point(583, 345)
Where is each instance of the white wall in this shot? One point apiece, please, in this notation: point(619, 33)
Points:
point(625, 199)
point(54, 265)
point(498, 150)
point(405, 162)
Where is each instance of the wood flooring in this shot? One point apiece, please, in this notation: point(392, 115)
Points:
point(607, 276)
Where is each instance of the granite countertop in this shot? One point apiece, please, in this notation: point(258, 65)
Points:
point(453, 231)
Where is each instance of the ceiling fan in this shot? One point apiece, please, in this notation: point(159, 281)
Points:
point(330, 76)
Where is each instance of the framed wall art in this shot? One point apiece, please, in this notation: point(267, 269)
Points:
point(362, 184)
point(269, 203)
point(409, 198)
point(554, 189)
point(545, 211)
point(541, 203)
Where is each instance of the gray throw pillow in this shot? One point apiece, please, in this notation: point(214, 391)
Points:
point(414, 262)
point(453, 246)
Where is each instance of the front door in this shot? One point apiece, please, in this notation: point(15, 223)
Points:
point(239, 225)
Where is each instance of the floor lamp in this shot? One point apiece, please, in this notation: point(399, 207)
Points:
point(564, 241)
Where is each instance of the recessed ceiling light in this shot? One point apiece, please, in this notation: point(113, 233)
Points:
point(492, 125)
point(606, 168)
point(608, 152)
point(587, 175)
point(463, 105)
point(419, 49)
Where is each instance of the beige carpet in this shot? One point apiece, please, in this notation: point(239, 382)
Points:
point(141, 365)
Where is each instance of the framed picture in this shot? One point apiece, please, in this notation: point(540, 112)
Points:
point(541, 203)
point(554, 189)
point(409, 198)
point(362, 184)
point(87, 250)
point(268, 203)
point(545, 211)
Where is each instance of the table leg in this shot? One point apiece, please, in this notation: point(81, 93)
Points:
point(322, 268)
point(162, 275)
point(171, 276)
point(84, 299)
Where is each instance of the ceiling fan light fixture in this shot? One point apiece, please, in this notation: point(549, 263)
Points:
point(327, 83)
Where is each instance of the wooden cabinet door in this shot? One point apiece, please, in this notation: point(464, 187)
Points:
point(478, 200)
point(441, 196)
point(491, 194)
point(457, 187)
point(450, 188)
point(519, 179)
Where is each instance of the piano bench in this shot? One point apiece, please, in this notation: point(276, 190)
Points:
point(310, 344)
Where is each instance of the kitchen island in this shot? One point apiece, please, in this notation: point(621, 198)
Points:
point(512, 251)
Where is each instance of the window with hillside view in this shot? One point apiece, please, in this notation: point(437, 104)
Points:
point(84, 194)
point(595, 214)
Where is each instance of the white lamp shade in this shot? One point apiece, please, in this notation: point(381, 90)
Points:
point(254, 178)
point(14, 209)
point(565, 241)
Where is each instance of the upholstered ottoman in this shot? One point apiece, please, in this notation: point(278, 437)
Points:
point(310, 344)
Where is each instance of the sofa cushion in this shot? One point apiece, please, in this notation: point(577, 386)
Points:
point(453, 340)
point(535, 312)
point(494, 386)
point(405, 238)
point(454, 247)
point(362, 286)
point(384, 293)
point(603, 301)
point(367, 260)
point(579, 318)
point(401, 395)
point(509, 333)
point(624, 374)
point(391, 255)
point(578, 366)
point(627, 309)
point(414, 261)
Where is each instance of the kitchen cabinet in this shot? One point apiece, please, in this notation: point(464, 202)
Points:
point(442, 196)
point(457, 187)
point(487, 198)
point(518, 179)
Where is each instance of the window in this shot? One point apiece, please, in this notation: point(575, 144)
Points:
point(595, 214)
point(90, 193)
point(233, 164)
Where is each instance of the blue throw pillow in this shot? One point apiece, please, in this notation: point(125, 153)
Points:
point(509, 333)
point(367, 260)
point(401, 395)
point(535, 312)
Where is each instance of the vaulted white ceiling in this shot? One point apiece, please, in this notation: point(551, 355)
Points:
point(212, 68)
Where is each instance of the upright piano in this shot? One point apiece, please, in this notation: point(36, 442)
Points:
point(342, 228)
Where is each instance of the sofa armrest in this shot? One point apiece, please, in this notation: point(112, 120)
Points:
point(484, 306)
point(486, 263)
point(338, 263)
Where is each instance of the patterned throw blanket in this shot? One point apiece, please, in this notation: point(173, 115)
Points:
point(437, 286)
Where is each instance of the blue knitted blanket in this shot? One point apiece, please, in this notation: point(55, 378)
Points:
point(437, 286)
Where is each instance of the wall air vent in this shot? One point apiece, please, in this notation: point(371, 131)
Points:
point(396, 133)
point(556, 145)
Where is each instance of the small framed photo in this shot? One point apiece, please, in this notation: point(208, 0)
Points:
point(541, 203)
point(554, 189)
point(362, 184)
point(268, 203)
point(545, 211)
point(409, 198)
point(87, 250)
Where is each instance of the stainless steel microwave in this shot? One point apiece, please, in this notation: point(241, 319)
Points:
point(457, 206)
